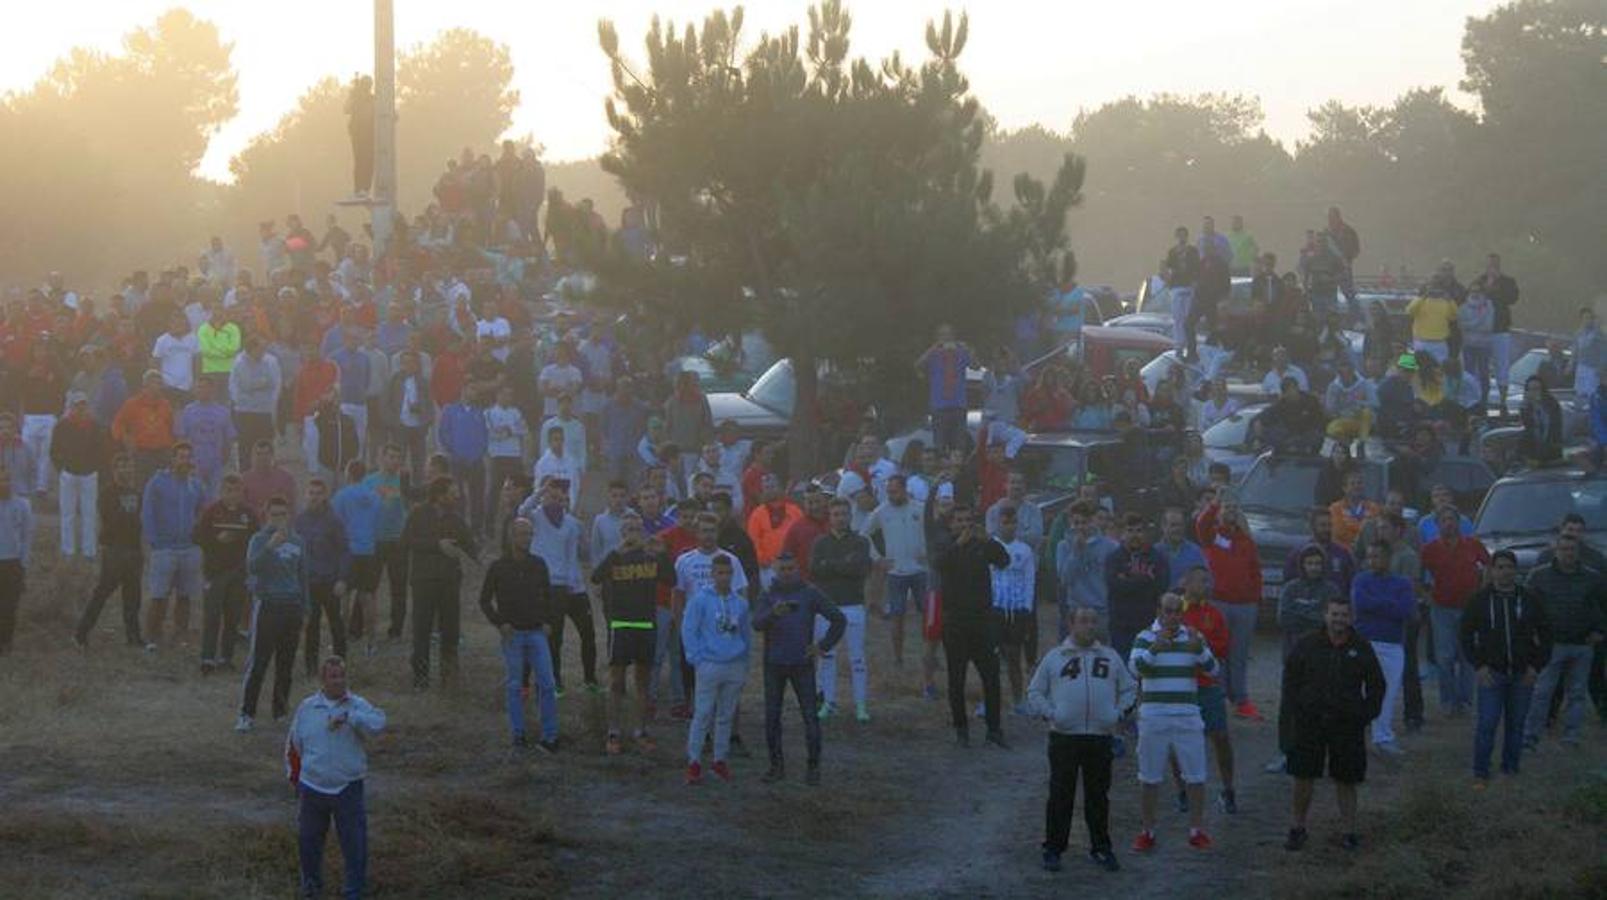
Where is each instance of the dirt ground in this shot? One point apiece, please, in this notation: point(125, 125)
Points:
point(120, 776)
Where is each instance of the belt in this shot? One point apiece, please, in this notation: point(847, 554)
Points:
point(641, 626)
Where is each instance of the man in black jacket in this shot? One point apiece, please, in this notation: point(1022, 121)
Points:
point(1507, 641)
point(122, 558)
point(1136, 575)
point(1570, 595)
point(840, 563)
point(1332, 687)
point(438, 542)
point(969, 634)
point(1502, 289)
point(517, 598)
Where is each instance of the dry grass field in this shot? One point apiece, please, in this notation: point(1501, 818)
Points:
point(120, 776)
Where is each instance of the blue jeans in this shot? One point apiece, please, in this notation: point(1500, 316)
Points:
point(666, 655)
point(1570, 661)
point(1455, 675)
point(1507, 698)
point(351, 829)
point(530, 647)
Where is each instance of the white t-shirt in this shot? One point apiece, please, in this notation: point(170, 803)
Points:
point(176, 358)
point(694, 571)
point(549, 466)
point(411, 401)
point(574, 429)
point(558, 379)
point(1272, 385)
point(498, 330)
point(507, 428)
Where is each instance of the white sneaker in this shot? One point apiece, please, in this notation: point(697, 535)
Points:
point(1278, 766)
point(243, 724)
point(1389, 748)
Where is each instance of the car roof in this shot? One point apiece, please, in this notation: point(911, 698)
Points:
point(1082, 438)
point(1125, 334)
point(1533, 476)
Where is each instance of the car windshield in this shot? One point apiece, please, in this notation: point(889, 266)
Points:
point(1537, 507)
point(1291, 484)
point(1050, 466)
point(775, 389)
point(1233, 432)
point(1526, 366)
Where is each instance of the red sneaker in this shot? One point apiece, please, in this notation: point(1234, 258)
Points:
point(694, 772)
point(1199, 840)
point(1144, 843)
point(1247, 710)
point(721, 770)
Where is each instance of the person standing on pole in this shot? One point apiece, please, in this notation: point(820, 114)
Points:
point(360, 125)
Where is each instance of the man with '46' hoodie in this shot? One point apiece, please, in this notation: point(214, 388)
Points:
point(1083, 688)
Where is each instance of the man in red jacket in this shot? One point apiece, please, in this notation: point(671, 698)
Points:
point(1200, 615)
point(1231, 553)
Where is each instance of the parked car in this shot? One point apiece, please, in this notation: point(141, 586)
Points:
point(711, 376)
point(1106, 349)
point(1278, 494)
point(1521, 512)
point(1228, 441)
point(765, 409)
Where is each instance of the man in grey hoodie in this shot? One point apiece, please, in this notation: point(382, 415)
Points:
point(1082, 687)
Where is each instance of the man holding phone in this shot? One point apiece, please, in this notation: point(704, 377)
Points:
point(970, 636)
point(277, 563)
point(786, 613)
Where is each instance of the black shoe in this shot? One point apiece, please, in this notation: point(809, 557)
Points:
point(739, 749)
point(1230, 803)
point(773, 774)
point(1105, 859)
point(996, 738)
point(962, 738)
point(548, 747)
point(520, 742)
point(1182, 801)
point(1296, 840)
point(207, 667)
point(1351, 841)
point(812, 776)
point(1051, 861)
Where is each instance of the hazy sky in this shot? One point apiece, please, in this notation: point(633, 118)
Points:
point(1028, 61)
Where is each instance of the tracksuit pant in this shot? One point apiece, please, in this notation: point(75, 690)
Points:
point(972, 644)
point(1072, 756)
point(321, 602)
point(576, 607)
point(802, 679)
point(120, 567)
point(854, 641)
point(79, 497)
point(219, 609)
point(275, 629)
point(719, 686)
point(435, 600)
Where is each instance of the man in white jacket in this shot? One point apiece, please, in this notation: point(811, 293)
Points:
point(1082, 687)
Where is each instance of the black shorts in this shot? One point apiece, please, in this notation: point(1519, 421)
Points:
point(631, 646)
point(1343, 748)
point(1015, 629)
point(365, 573)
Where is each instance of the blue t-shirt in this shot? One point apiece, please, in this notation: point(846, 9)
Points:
point(945, 377)
point(1070, 308)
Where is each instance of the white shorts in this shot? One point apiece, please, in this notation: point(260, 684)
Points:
point(1162, 737)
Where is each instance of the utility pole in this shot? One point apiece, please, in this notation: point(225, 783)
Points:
point(382, 206)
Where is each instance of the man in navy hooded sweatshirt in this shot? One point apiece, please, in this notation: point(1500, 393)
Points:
point(786, 615)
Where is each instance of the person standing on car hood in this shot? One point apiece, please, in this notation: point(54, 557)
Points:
point(944, 364)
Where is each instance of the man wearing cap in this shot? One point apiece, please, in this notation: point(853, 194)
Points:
point(144, 426)
point(1396, 410)
point(78, 448)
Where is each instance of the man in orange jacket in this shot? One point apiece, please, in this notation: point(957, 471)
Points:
point(768, 525)
point(1235, 565)
point(144, 426)
point(1200, 615)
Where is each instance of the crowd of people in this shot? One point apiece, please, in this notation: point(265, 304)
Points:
point(442, 430)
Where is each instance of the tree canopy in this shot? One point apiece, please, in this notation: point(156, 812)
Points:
point(837, 203)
